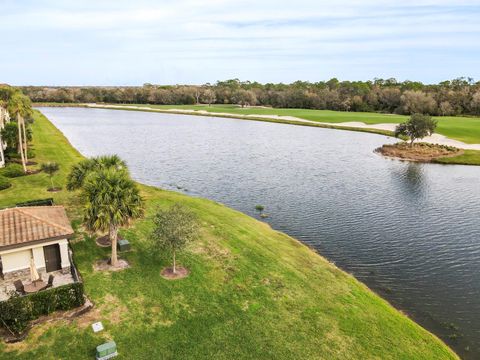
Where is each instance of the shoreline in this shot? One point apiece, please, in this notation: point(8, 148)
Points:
point(381, 128)
point(378, 308)
point(377, 292)
point(288, 120)
point(471, 156)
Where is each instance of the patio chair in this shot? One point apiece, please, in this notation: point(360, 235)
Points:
point(19, 288)
point(50, 281)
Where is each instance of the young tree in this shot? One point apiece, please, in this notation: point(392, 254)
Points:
point(112, 200)
point(174, 229)
point(50, 168)
point(417, 127)
point(80, 171)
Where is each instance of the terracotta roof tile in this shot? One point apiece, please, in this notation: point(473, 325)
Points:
point(25, 224)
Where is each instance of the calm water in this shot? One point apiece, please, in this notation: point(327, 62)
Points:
point(409, 231)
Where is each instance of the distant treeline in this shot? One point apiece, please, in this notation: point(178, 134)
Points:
point(455, 97)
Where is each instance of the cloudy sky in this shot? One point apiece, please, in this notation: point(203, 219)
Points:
point(106, 42)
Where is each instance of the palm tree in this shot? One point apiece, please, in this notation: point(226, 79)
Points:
point(112, 200)
point(80, 171)
point(19, 106)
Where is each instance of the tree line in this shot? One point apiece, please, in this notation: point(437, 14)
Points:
point(460, 96)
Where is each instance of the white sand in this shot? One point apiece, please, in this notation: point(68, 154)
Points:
point(434, 139)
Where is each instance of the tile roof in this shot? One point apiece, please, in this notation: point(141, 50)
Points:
point(22, 225)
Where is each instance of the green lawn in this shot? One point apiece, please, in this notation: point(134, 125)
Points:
point(253, 293)
point(469, 157)
point(466, 129)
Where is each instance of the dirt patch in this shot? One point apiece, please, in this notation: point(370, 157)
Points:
point(33, 172)
point(421, 152)
point(19, 161)
point(180, 273)
point(104, 265)
point(89, 318)
point(111, 309)
point(104, 241)
point(54, 189)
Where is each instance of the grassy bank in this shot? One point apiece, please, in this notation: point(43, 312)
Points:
point(254, 293)
point(469, 157)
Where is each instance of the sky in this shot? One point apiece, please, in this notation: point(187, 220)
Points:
point(107, 42)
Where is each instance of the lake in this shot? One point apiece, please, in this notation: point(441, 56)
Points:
point(410, 231)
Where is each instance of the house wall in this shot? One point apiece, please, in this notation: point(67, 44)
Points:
point(16, 262)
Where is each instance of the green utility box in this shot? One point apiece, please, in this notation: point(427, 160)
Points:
point(106, 351)
point(123, 245)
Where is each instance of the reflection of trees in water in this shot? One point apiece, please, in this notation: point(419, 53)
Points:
point(412, 179)
point(414, 174)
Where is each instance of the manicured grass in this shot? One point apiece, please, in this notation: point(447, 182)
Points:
point(253, 293)
point(469, 157)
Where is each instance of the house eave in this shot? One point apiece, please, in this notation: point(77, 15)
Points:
point(35, 242)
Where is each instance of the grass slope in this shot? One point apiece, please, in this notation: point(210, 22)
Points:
point(254, 293)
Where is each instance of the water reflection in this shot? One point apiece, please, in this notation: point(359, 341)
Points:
point(412, 180)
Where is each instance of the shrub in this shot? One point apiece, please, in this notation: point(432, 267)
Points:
point(13, 154)
point(12, 170)
point(38, 202)
point(17, 312)
point(4, 183)
point(259, 207)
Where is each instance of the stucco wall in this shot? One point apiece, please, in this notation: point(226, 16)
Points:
point(18, 259)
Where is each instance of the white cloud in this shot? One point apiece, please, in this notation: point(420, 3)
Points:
point(250, 35)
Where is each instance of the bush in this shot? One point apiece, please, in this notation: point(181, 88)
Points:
point(13, 154)
point(12, 170)
point(38, 202)
point(17, 312)
point(4, 183)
